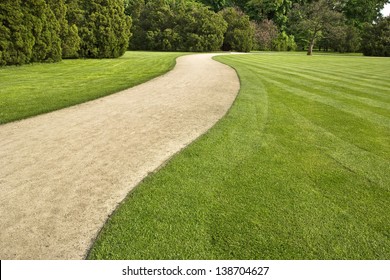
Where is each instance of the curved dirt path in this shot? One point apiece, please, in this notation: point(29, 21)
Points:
point(63, 173)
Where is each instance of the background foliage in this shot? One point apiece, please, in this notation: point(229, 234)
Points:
point(49, 30)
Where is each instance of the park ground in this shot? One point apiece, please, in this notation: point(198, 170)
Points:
point(297, 169)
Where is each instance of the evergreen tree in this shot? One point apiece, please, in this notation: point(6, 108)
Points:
point(44, 27)
point(16, 42)
point(104, 29)
point(70, 40)
point(29, 32)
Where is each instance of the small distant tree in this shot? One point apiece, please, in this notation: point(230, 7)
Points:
point(265, 33)
point(239, 33)
point(341, 38)
point(284, 42)
point(308, 22)
point(376, 38)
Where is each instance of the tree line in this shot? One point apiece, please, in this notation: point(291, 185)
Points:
point(50, 30)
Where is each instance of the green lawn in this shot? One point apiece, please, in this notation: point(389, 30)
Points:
point(298, 169)
point(40, 88)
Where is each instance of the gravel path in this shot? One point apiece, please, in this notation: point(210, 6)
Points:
point(63, 173)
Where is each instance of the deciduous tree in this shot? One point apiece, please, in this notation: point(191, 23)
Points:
point(266, 32)
point(309, 22)
point(376, 38)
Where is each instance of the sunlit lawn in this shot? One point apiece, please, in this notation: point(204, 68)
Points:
point(298, 169)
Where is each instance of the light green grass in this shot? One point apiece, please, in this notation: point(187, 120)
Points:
point(40, 88)
point(298, 169)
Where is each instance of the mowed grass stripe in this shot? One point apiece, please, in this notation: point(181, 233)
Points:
point(340, 197)
point(365, 135)
point(348, 155)
point(324, 89)
point(40, 88)
point(360, 70)
point(282, 84)
point(333, 80)
point(280, 177)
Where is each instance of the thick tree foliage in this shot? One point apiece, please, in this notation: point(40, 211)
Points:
point(239, 34)
point(311, 21)
point(217, 5)
point(48, 30)
point(29, 32)
point(265, 34)
point(177, 26)
point(360, 12)
point(16, 40)
point(104, 29)
point(70, 40)
point(376, 38)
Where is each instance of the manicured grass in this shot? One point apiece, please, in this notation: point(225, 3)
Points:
point(40, 88)
point(298, 169)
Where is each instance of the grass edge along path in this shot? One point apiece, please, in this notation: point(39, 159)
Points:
point(40, 88)
point(282, 176)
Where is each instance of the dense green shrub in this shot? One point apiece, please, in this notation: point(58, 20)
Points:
point(29, 32)
point(284, 42)
point(200, 29)
point(342, 38)
point(376, 38)
point(16, 41)
point(40, 19)
point(239, 33)
point(70, 40)
point(178, 26)
point(104, 29)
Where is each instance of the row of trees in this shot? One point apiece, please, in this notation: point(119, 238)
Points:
point(337, 25)
point(185, 25)
point(49, 30)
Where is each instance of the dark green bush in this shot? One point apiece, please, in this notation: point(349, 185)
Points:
point(376, 38)
point(104, 29)
point(240, 33)
point(178, 26)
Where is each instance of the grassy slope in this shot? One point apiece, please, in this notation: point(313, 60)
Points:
point(298, 169)
point(35, 89)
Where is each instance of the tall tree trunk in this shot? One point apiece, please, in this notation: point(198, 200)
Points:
point(311, 46)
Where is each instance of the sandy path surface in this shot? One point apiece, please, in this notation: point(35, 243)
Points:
point(63, 173)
